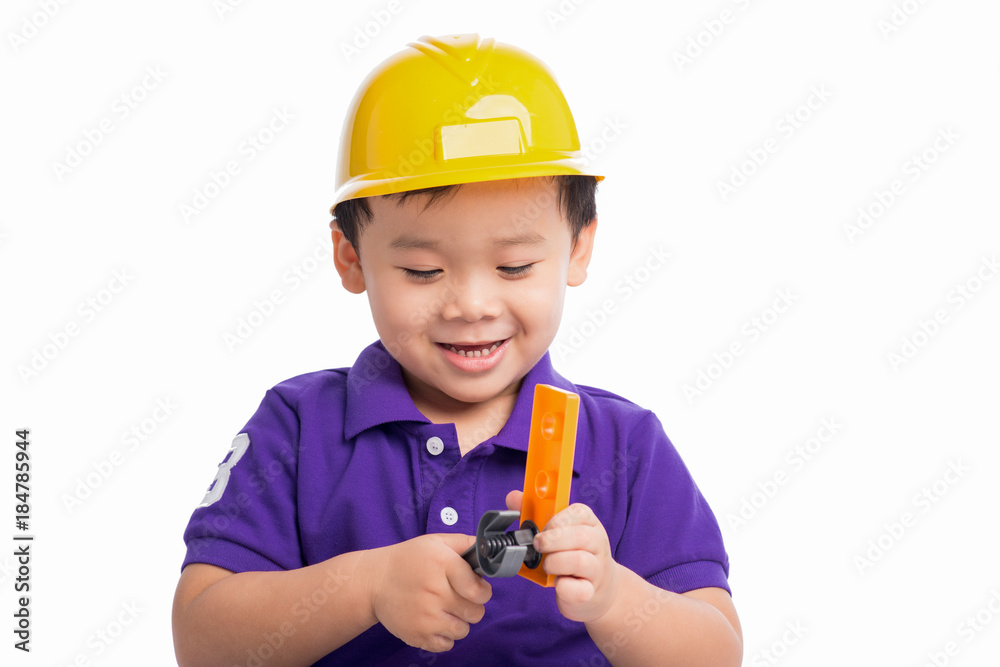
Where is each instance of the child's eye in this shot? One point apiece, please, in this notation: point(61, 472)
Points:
point(516, 271)
point(421, 275)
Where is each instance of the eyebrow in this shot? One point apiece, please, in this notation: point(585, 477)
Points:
point(409, 242)
point(406, 242)
point(524, 238)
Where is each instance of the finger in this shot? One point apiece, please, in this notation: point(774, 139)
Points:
point(437, 644)
point(515, 500)
point(586, 538)
point(467, 584)
point(457, 541)
point(576, 527)
point(465, 611)
point(573, 590)
point(580, 564)
point(454, 627)
point(577, 513)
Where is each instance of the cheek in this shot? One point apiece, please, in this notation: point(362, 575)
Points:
point(382, 300)
point(541, 304)
point(405, 307)
point(398, 309)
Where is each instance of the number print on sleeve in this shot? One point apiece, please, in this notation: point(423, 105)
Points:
point(218, 486)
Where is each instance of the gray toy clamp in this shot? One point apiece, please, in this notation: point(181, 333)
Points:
point(498, 553)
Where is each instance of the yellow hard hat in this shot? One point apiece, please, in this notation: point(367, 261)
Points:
point(455, 109)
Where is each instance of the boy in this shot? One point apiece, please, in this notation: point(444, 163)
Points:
point(333, 530)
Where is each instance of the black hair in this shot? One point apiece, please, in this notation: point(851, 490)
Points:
point(577, 199)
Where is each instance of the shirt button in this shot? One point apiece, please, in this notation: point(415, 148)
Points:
point(435, 445)
point(449, 516)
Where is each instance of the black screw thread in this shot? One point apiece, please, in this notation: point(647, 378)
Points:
point(532, 559)
point(494, 544)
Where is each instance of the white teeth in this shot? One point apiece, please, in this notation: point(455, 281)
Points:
point(474, 354)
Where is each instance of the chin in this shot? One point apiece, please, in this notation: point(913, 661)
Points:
point(470, 395)
point(475, 394)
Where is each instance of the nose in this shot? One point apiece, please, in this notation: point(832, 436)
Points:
point(471, 299)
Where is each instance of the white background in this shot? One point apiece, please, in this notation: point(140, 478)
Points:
point(672, 132)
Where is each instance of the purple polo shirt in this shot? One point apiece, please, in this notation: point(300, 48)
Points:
point(341, 460)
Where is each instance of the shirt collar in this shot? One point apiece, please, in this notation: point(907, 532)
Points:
point(376, 395)
point(515, 432)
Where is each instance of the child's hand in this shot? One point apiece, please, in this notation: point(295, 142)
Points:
point(579, 554)
point(424, 592)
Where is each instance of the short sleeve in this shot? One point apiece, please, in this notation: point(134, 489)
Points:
point(671, 536)
point(249, 522)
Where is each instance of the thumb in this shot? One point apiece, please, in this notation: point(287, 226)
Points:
point(457, 541)
point(514, 499)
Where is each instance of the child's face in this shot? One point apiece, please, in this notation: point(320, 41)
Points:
point(467, 293)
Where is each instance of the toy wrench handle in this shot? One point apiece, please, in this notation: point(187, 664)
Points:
point(471, 557)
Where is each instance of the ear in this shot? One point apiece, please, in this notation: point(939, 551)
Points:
point(348, 264)
point(579, 256)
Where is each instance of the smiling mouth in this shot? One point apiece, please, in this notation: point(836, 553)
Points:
point(475, 350)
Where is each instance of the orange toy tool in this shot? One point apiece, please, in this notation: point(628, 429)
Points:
point(548, 474)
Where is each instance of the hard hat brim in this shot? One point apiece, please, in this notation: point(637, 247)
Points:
point(376, 184)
